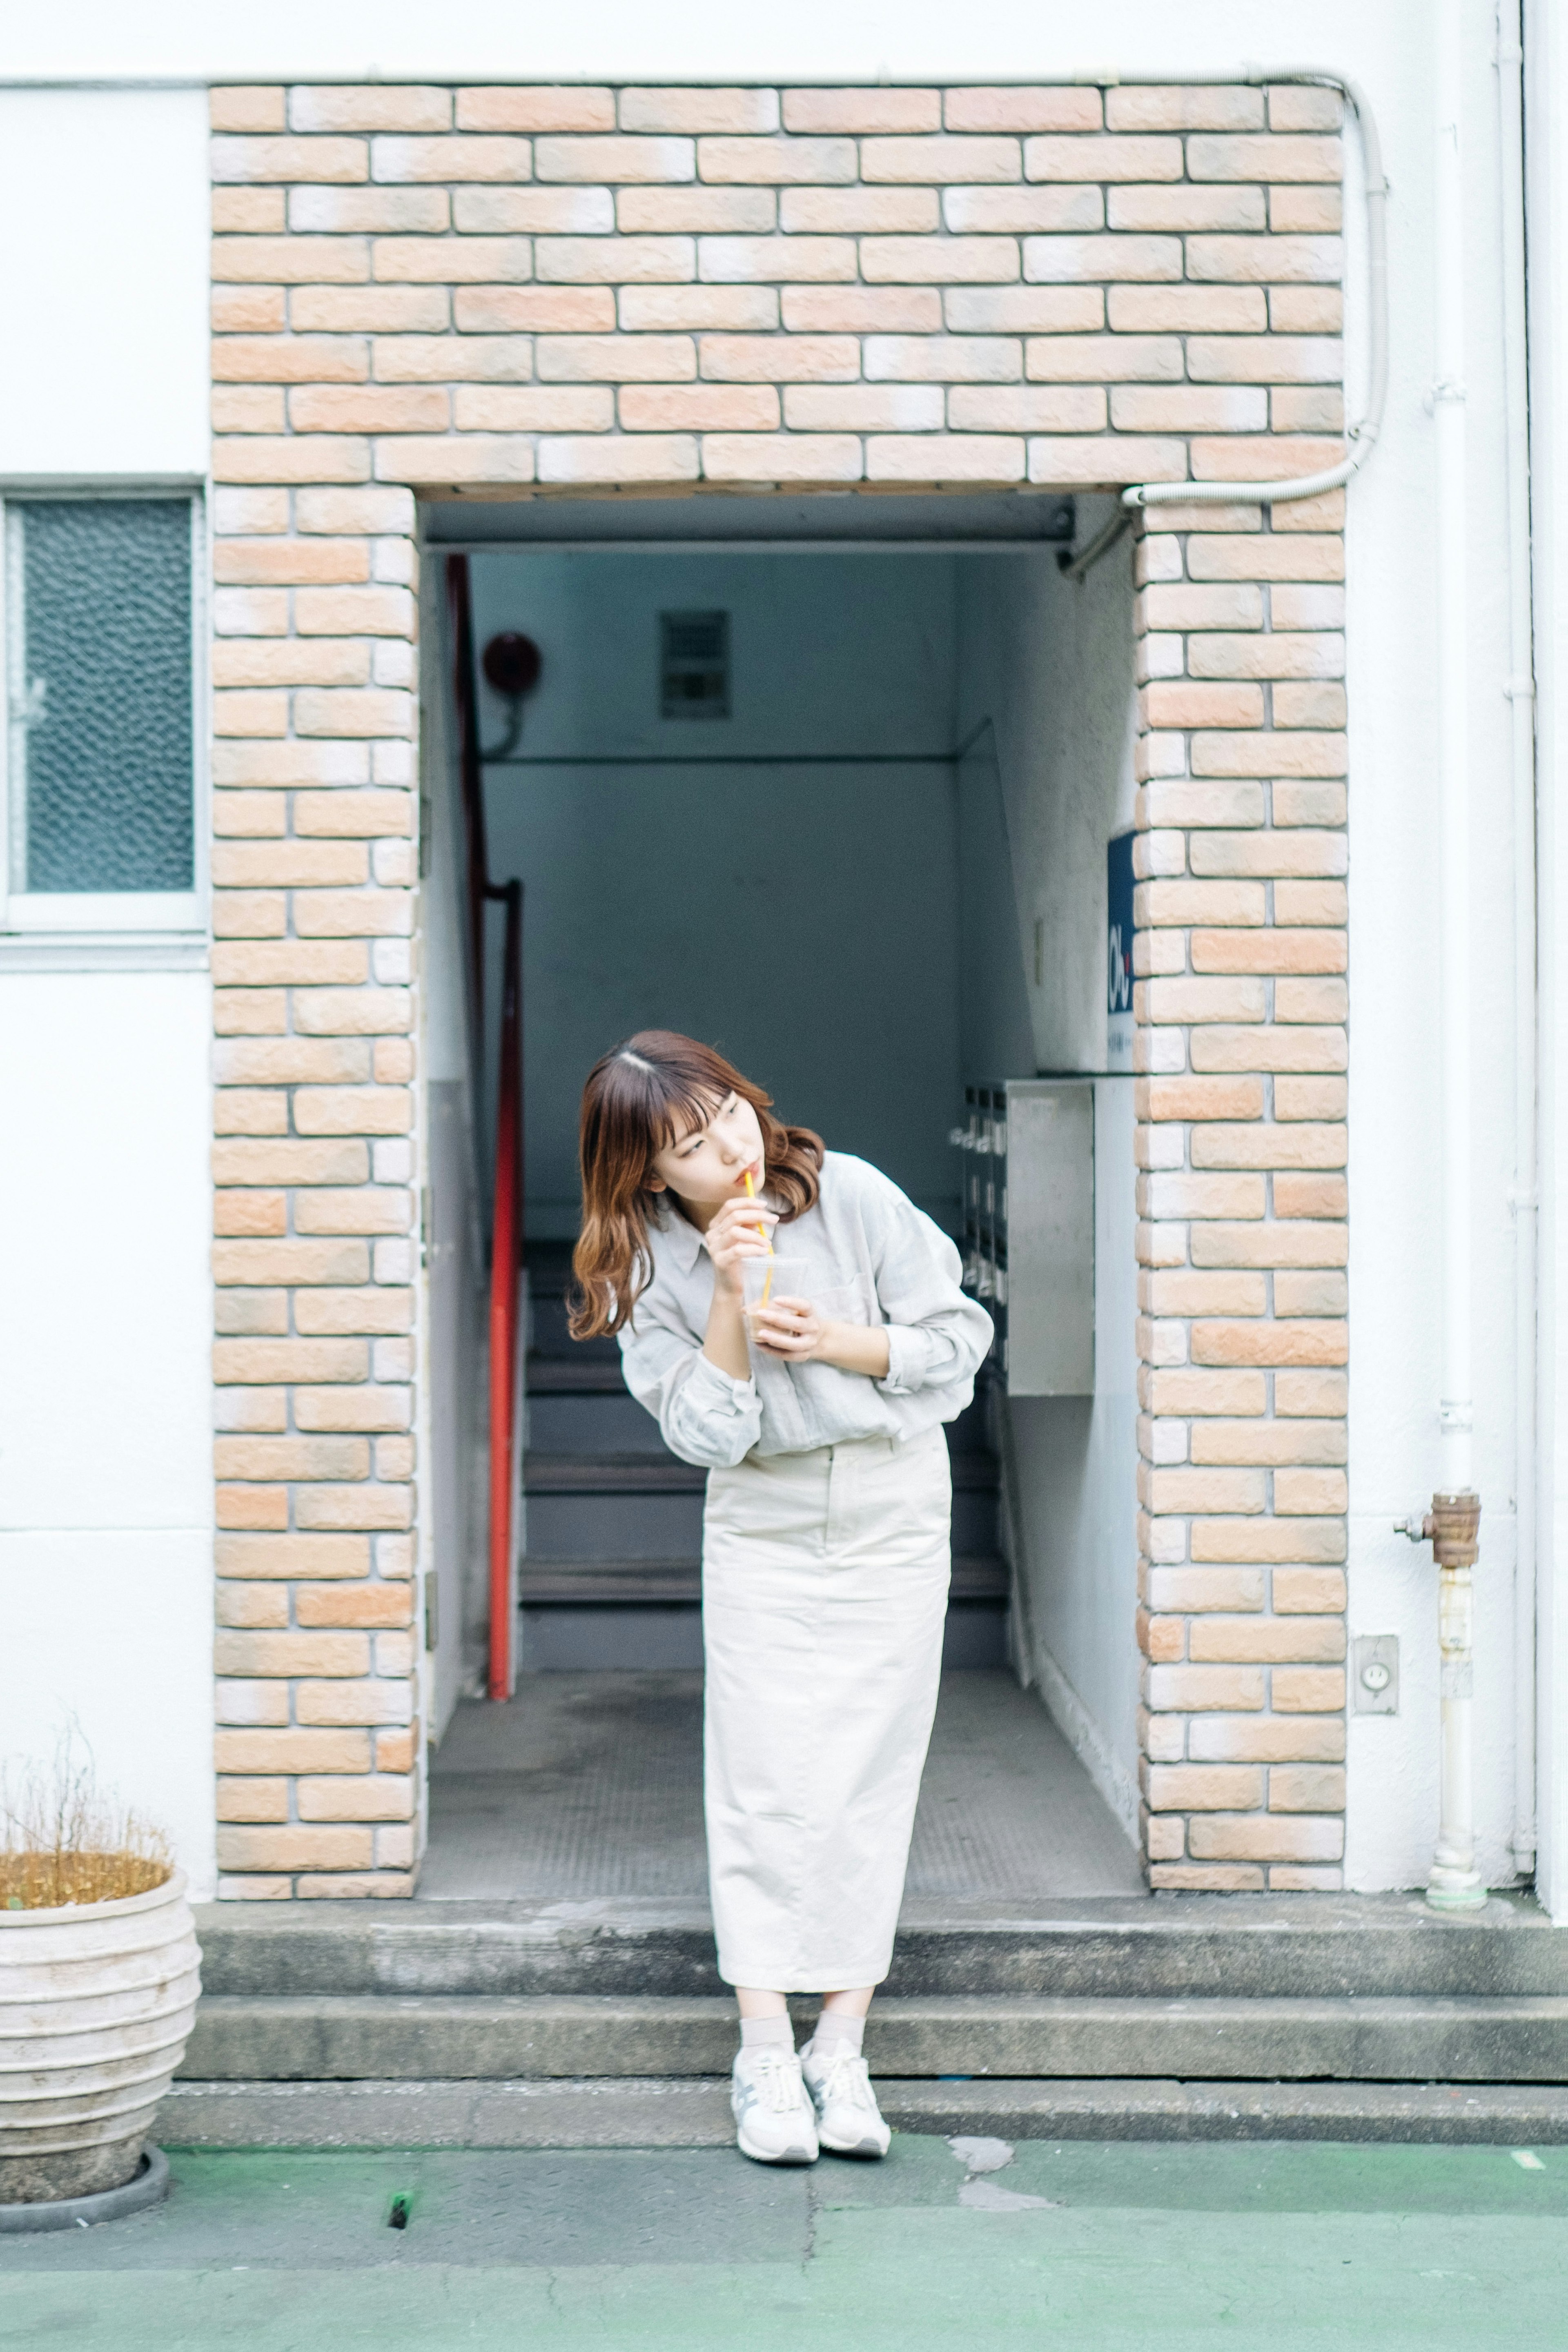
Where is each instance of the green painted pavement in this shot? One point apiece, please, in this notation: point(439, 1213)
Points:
point(1133, 2246)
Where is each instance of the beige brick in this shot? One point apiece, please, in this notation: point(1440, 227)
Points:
point(1266, 1641)
point(459, 158)
point(290, 1163)
point(1187, 1589)
point(358, 1209)
point(289, 561)
point(252, 1801)
point(1029, 310)
point(250, 1606)
point(1311, 1098)
point(1185, 207)
point(947, 457)
point(1105, 462)
point(1266, 156)
point(616, 160)
point(298, 458)
point(247, 107)
point(242, 309)
point(378, 106)
point(1191, 408)
point(239, 1111)
point(1267, 260)
point(1315, 705)
point(366, 1012)
point(1182, 1491)
point(932, 260)
point(250, 1312)
point(294, 1847)
point(318, 160)
point(1056, 260)
point(373, 712)
point(1306, 1789)
point(1178, 1195)
point(1266, 457)
point(1017, 408)
point(547, 309)
point(248, 1457)
point(374, 1606)
point(940, 158)
point(1299, 1195)
point(380, 1797)
point(290, 260)
point(855, 111)
point(620, 458)
point(277, 1654)
point(1228, 1878)
point(290, 1061)
point(1265, 1740)
point(864, 408)
point(351, 1110)
point(1021, 211)
point(368, 408)
point(612, 358)
point(1273, 951)
point(249, 661)
point(1264, 359)
point(1311, 1491)
point(1311, 210)
point(699, 109)
point(1213, 1787)
point(744, 260)
point(247, 815)
point(370, 310)
point(292, 1750)
point(249, 1213)
point(1094, 358)
point(661, 212)
point(396, 1752)
point(1282, 753)
point(1310, 1294)
point(450, 260)
point(1301, 107)
point(1204, 999)
point(1162, 1098)
point(1192, 1689)
point(246, 408)
point(327, 1313)
point(796, 358)
point(1182, 1290)
point(288, 1261)
point(1277, 1342)
point(1309, 902)
point(289, 1360)
point(1265, 1837)
point(737, 308)
point(1188, 310)
point(648, 260)
point(534, 108)
point(1266, 1145)
point(351, 1409)
point(781, 457)
point(1307, 1690)
point(1183, 703)
point(377, 211)
point(352, 1506)
point(1062, 107)
point(857, 212)
point(1306, 408)
point(1160, 904)
point(251, 1507)
point(446, 359)
point(1195, 1392)
point(1309, 1590)
point(1267, 1443)
point(1184, 107)
point(1105, 158)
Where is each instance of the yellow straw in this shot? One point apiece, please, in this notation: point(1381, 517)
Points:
point(762, 1234)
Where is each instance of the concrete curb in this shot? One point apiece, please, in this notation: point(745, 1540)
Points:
point(694, 2112)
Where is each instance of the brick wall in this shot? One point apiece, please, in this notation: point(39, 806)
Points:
point(417, 288)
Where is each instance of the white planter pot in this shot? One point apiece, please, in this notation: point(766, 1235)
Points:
point(96, 2004)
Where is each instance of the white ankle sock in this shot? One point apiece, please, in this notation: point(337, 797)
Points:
point(837, 2031)
point(762, 2033)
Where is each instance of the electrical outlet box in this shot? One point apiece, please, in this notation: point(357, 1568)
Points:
point(1374, 1674)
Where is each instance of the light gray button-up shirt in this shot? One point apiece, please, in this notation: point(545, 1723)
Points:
point(864, 1236)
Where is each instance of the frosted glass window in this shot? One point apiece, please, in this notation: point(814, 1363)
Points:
point(102, 777)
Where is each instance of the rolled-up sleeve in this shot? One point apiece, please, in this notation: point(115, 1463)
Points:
point(704, 1416)
point(937, 1336)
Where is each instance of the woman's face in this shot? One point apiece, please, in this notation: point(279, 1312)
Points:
point(708, 1165)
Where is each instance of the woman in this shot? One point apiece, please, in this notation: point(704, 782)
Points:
point(825, 1541)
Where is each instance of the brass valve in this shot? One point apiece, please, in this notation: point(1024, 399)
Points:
point(1452, 1527)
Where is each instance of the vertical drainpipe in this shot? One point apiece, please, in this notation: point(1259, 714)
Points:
point(1453, 1525)
point(1519, 688)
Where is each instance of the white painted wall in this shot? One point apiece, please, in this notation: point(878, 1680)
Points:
point(1048, 662)
point(103, 282)
point(105, 1425)
point(106, 1502)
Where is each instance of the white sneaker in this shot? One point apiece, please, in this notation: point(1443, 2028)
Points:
point(848, 2120)
point(773, 2119)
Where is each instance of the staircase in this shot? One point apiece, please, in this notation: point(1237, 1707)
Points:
point(612, 1569)
point(463, 2023)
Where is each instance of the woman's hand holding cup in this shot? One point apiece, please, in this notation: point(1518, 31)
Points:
point(737, 1236)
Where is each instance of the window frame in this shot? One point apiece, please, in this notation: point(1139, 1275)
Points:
point(92, 927)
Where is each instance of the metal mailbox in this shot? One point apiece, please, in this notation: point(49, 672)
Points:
point(1028, 1227)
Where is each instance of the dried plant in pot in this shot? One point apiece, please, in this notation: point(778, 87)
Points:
point(99, 1978)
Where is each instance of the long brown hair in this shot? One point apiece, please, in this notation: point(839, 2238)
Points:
point(640, 1097)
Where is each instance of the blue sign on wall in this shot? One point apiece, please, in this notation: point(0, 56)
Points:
point(1118, 950)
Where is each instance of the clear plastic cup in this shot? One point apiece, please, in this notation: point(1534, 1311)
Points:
point(783, 1276)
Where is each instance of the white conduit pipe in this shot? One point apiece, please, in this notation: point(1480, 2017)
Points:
point(1520, 688)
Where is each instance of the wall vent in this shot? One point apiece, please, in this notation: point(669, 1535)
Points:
point(694, 665)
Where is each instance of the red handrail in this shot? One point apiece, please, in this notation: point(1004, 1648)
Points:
point(507, 1206)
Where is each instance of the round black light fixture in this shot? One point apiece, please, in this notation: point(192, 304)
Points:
point(512, 663)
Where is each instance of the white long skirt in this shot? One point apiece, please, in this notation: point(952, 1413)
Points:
point(825, 1580)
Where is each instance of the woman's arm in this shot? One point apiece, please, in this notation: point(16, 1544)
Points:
point(792, 1329)
point(739, 1232)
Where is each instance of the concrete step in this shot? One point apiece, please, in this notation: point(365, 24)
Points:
point(1151, 1948)
point(647, 1520)
point(645, 1472)
point(319, 2037)
point(659, 2111)
point(579, 1583)
point(584, 1375)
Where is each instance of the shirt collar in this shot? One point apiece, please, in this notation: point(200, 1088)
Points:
point(681, 1239)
